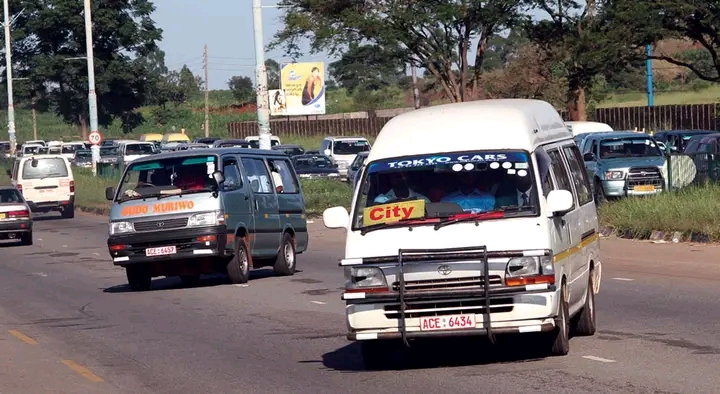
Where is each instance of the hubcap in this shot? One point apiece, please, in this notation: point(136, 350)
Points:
point(243, 261)
point(289, 255)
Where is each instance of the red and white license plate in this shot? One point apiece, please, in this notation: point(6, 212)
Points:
point(163, 251)
point(449, 322)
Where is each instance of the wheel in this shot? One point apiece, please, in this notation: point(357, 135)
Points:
point(190, 280)
point(26, 239)
point(68, 212)
point(138, 277)
point(559, 339)
point(285, 263)
point(599, 194)
point(376, 354)
point(238, 268)
point(584, 323)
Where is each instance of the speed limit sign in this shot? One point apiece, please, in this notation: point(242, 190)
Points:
point(95, 138)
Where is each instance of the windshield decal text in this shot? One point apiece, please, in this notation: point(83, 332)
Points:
point(388, 213)
point(163, 207)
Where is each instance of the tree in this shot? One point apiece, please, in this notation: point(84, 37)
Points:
point(273, 73)
point(583, 40)
point(50, 33)
point(367, 67)
point(242, 89)
point(696, 20)
point(432, 34)
point(188, 83)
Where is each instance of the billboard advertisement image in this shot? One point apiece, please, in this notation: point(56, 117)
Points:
point(304, 87)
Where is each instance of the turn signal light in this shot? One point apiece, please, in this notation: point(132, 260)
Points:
point(72, 186)
point(530, 280)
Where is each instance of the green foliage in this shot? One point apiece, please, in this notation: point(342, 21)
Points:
point(49, 36)
point(436, 34)
point(242, 89)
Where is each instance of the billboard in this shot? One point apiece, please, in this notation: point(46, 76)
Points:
point(304, 87)
point(278, 103)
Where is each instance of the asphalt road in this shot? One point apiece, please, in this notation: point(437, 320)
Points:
point(69, 324)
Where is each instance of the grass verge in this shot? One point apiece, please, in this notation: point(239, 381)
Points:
point(691, 211)
point(320, 194)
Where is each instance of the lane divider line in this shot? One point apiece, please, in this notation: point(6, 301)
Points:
point(318, 302)
point(600, 359)
point(84, 372)
point(624, 279)
point(17, 334)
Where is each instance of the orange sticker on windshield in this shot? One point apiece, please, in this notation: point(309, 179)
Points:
point(165, 207)
point(388, 213)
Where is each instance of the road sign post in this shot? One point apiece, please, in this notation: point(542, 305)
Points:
point(95, 138)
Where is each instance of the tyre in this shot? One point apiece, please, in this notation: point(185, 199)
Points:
point(138, 277)
point(376, 354)
point(584, 323)
point(190, 280)
point(285, 262)
point(559, 339)
point(68, 212)
point(26, 239)
point(600, 198)
point(238, 268)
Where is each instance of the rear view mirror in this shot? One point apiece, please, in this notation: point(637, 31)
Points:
point(336, 217)
point(327, 152)
point(589, 156)
point(34, 163)
point(110, 193)
point(560, 202)
point(219, 177)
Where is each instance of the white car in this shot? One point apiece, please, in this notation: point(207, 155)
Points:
point(46, 182)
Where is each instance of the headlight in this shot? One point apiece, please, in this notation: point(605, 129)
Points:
point(121, 228)
point(530, 266)
point(364, 277)
point(614, 175)
point(207, 219)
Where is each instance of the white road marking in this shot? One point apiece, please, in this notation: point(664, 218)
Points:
point(311, 221)
point(624, 279)
point(318, 302)
point(40, 274)
point(40, 239)
point(600, 359)
point(241, 285)
point(96, 254)
point(64, 246)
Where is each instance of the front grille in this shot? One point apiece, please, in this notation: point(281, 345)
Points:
point(155, 225)
point(475, 282)
point(443, 308)
point(641, 176)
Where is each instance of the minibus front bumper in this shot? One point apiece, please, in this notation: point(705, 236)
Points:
point(176, 244)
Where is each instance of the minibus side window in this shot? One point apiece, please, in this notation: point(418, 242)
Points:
point(579, 176)
point(560, 172)
point(544, 164)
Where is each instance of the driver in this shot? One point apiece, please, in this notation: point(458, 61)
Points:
point(468, 196)
point(399, 189)
point(192, 178)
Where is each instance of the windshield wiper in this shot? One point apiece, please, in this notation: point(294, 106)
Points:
point(53, 174)
point(494, 214)
point(378, 226)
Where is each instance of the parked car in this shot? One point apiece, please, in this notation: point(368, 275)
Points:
point(109, 154)
point(677, 140)
point(290, 150)
point(231, 144)
point(46, 182)
point(15, 217)
point(342, 150)
point(356, 168)
point(315, 166)
point(583, 127)
point(623, 164)
point(255, 141)
point(205, 140)
point(82, 158)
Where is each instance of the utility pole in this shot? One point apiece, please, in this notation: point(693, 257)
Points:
point(263, 104)
point(207, 94)
point(34, 118)
point(9, 80)
point(416, 93)
point(92, 98)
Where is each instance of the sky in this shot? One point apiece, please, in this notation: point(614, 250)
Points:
point(226, 27)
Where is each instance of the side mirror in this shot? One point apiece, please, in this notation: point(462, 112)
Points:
point(8, 172)
point(335, 165)
point(336, 217)
point(34, 163)
point(327, 152)
point(589, 157)
point(110, 193)
point(219, 177)
point(559, 202)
